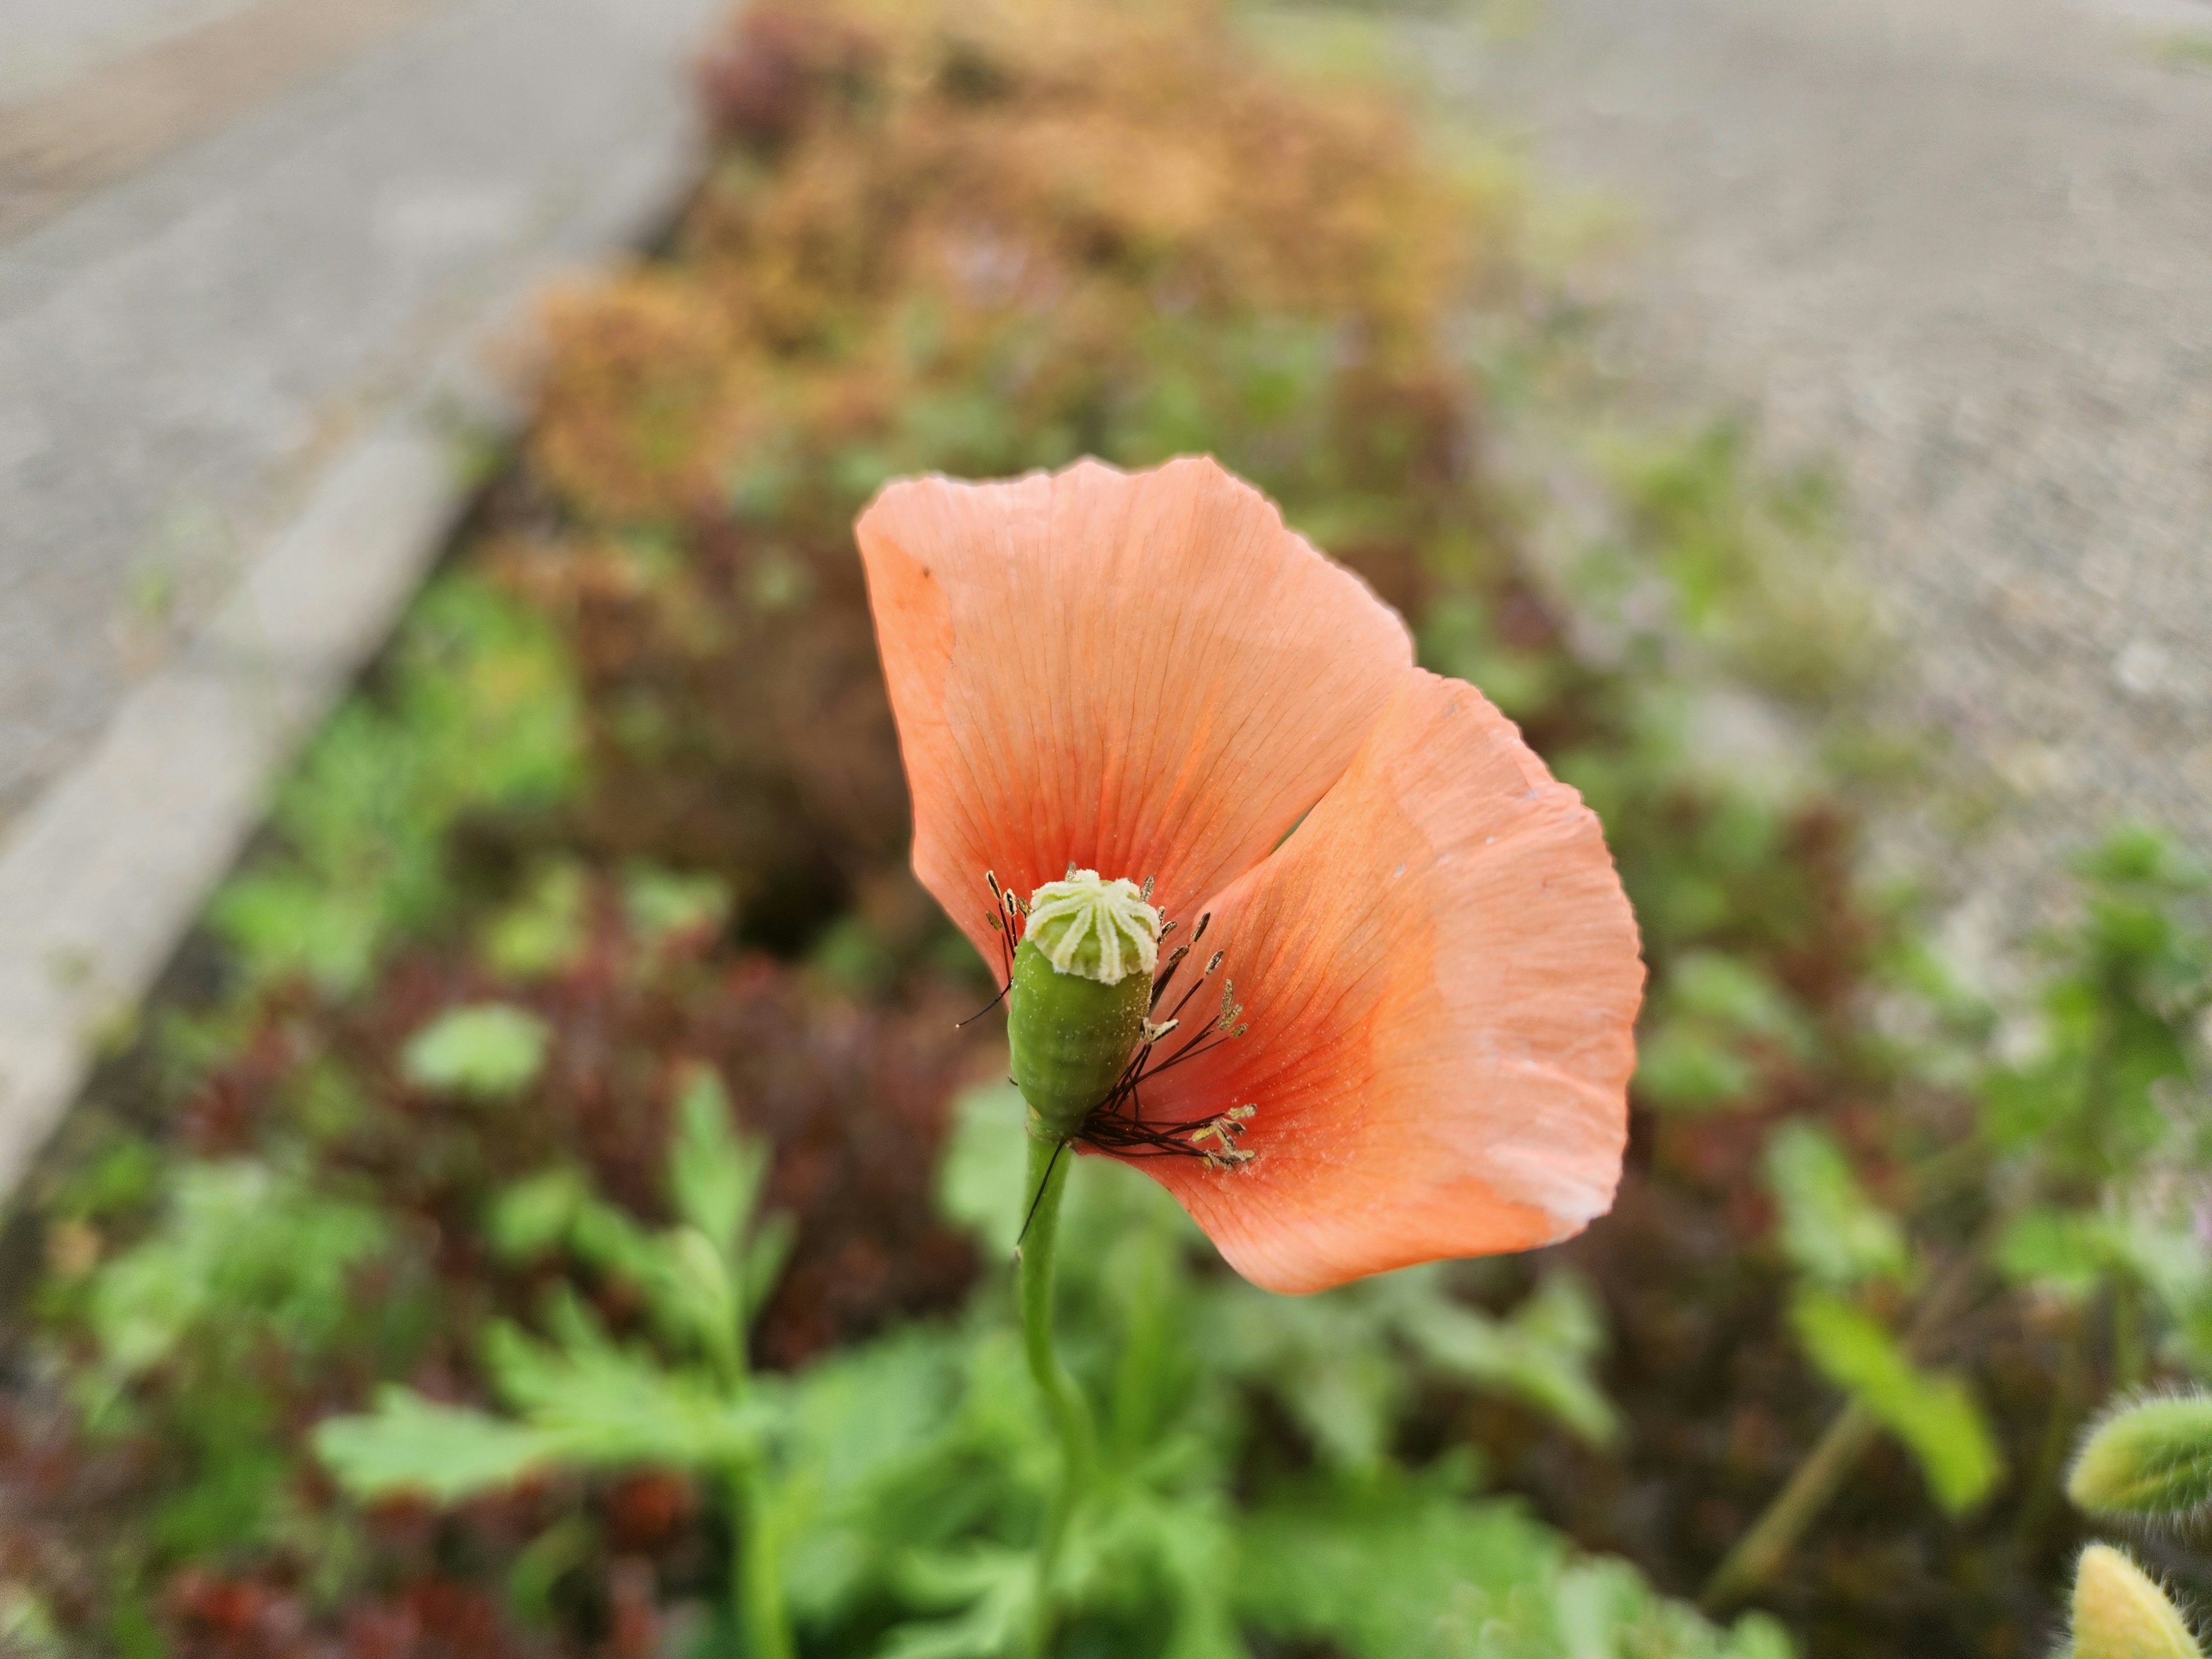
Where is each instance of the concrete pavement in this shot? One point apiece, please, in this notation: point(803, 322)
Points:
point(1963, 250)
point(261, 264)
point(270, 222)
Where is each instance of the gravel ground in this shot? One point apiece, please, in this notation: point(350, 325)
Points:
point(1962, 249)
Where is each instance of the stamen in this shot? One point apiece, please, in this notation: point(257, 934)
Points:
point(987, 1006)
point(1230, 1008)
point(1154, 1033)
point(1167, 973)
point(1147, 889)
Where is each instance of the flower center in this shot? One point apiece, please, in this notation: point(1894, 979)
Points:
point(1082, 980)
point(1094, 928)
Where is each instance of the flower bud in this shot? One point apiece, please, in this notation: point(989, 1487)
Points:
point(1082, 985)
point(2149, 1461)
point(2119, 1613)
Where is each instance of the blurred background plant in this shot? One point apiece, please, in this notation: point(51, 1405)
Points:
point(607, 858)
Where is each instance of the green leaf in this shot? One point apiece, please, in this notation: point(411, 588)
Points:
point(491, 1051)
point(1932, 1412)
point(27, 1629)
point(413, 1447)
point(1713, 1018)
point(543, 932)
point(713, 1176)
point(536, 1215)
point(238, 1252)
point(980, 1184)
point(996, 1589)
point(1831, 1230)
point(665, 905)
point(591, 1404)
point(2151, 1461)
point(1541, 1352)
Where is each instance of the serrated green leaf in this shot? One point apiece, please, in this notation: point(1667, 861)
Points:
point(492, 1051)
point(713, 1176)
point(1396, 1572)
point(1834, 1233)
point(996, 1588)
point(411, 1446)
point(1540, 1353)
point(239, 1249)
point(594, 1405)
point(1931, 1412)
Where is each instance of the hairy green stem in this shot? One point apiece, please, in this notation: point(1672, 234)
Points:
point(1048, 1163)
point(755, 1571)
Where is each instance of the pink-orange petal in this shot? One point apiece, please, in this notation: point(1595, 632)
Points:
point(1145, 674)
point(1440, 974)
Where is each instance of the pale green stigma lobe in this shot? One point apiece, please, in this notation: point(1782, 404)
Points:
point(1095, 929)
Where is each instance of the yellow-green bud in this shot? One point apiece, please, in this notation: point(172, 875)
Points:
point(1082, 987)
point(2119, 1613)
point(2149, 1460)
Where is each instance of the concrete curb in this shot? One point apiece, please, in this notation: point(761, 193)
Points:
point(105, 873)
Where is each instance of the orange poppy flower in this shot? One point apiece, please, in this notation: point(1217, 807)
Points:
point(1426, 970)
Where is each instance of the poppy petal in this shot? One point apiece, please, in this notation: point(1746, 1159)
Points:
point(1142, 674)
point(1440, 975)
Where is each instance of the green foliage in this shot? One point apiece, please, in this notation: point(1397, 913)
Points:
point(238, 1250)
point(664, 904)
point(491, 1052)
point(2151, 1460)
point(543, 931)
point(2120, 1029)
point(27, 1628)
point(1831, 1230)
point(1932, 1412)
point(583, 1402)
point(1709, 1027)
point(418, 1448)
point(478, 714)
point(1416, 1569)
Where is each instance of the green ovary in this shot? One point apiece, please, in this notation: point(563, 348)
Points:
point(1071, 1037)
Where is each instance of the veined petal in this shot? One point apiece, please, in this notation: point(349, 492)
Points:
point(1441, 976)
point(1142, 674)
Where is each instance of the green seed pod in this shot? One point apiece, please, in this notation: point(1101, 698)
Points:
point(2120, 1613)
point(2147, 1461)
point(1082, 987)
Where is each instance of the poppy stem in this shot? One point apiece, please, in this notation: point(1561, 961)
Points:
point(1071, 1412)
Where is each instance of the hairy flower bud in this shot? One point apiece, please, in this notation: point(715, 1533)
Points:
point(2119, 1613)
point(1082, 985)
point(2149, 1460)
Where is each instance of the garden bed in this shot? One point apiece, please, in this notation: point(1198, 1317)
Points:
point(620, 819)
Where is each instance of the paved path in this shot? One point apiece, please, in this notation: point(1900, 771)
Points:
point(254, 258)
point(231, 231)
point(1964, 247)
